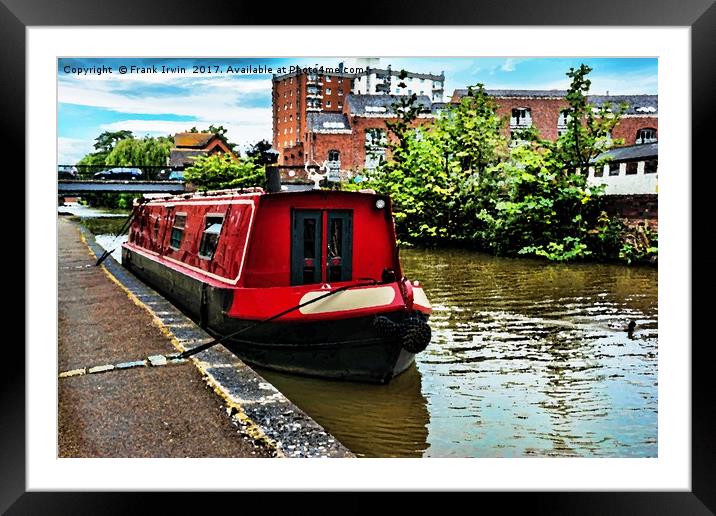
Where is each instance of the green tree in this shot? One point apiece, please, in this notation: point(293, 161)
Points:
point(221, 171)
point(108, 139)
point(262, 153)
point(544, 206)
point(139, 152)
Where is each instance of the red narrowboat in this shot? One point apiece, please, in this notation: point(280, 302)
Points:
point(230, 259)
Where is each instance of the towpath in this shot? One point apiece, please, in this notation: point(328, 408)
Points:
point(163, 411)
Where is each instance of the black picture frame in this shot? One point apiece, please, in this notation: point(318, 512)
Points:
point(699, 15)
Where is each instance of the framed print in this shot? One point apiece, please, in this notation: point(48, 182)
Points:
point(572, 377)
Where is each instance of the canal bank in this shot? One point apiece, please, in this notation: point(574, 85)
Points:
point(210, 406)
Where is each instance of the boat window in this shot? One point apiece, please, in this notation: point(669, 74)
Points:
point(178, 230)
point(306, 247)
point(340, 245)
point(210, 238)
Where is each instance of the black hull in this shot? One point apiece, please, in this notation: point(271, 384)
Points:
point(345, 349)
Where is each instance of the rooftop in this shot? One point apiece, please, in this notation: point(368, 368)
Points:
point(192, 140)
point(632, 152)
point(381, 105)
point(327, 122)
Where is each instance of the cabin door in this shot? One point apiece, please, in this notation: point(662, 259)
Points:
point(321, 246)
point(306, 233)
point(339, 257)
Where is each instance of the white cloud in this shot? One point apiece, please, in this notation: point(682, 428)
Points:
point(508, 65)
point(71, 150)
point(217, 100)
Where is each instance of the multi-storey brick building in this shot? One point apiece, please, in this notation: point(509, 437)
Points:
point(545, 110)
point(311, 110)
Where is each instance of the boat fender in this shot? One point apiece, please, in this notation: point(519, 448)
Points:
point(413, 331)
point(416, 333)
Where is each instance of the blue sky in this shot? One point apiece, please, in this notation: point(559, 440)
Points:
point(166, 103)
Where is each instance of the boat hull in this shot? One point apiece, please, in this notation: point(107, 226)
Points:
point(344, 349)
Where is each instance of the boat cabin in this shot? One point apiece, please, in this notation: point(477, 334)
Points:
point(259, 240)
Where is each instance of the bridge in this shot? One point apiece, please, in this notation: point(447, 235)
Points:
point(80, 186)
point(84, 179)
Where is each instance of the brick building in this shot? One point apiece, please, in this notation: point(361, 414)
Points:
point(544, 110)
point(324, 117)
point(339, 119)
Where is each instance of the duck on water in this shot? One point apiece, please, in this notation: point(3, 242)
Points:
point(327, 261)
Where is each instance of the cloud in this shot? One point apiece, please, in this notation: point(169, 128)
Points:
point(71, 150)
point(508, 65)
point(219, 100)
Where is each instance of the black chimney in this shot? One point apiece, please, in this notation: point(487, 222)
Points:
point(273, 180)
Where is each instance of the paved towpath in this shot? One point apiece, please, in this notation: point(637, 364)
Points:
point(163, 411)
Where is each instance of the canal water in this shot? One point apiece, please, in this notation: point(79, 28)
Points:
point(527, 359)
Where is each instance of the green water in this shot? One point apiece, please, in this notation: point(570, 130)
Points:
point(527, 359)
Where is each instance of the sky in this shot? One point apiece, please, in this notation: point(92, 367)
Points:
point(161, 104)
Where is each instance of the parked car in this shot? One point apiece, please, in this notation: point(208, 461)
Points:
point(176, 175)
point(119, 173)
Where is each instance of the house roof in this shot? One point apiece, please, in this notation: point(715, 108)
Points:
point(327, 122)
point(638, 104)
point(632, 152)
point(381, 105)
point(193, 140)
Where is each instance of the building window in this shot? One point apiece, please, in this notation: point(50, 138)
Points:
point(646, 135)
point(340, 106)
point(340, 91)
point(563, 121)
point(521, 117)
point(328, 91)
point(599, 171)
point(178, 230)
point(328, 78)
point(210, 238)
point(631, 168)
point(328, 103)
point(375, 143)
point(334, 155)
point(650, 166)
point(614, 168)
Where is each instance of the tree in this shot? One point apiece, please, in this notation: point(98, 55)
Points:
point(108, 139)
point(544, 205)
point(105, 143)
point(146, 151)
point(262, 152)
point(221, 171)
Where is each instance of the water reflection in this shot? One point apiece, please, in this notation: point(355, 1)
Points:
point(372, 420)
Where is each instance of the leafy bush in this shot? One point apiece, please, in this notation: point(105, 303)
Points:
point(222, 171)
point(456, 181)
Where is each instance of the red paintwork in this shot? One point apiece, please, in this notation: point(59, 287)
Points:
point(253, 255)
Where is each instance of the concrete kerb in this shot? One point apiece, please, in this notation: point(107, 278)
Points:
point(262, 411)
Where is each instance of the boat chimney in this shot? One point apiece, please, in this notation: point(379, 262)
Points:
point(273, 180)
